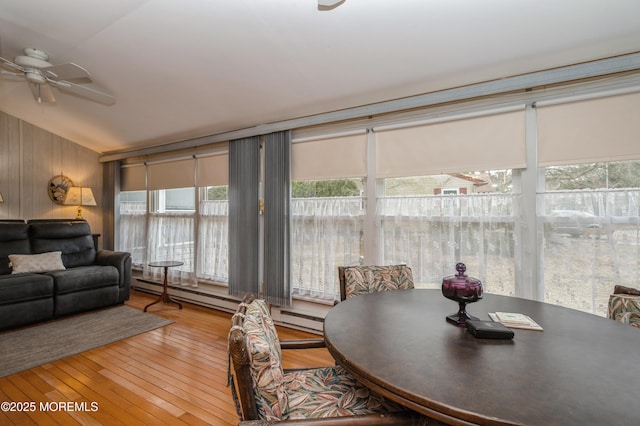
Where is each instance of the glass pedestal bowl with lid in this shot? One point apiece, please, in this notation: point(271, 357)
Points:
point(464, 290)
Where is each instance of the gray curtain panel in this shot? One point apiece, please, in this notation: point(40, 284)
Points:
point(277, 289)
point(244, 168)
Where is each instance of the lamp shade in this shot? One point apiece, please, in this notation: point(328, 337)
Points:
point(80, 196)
point(1, 199)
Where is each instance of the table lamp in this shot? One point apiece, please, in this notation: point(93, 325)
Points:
point(80, 196)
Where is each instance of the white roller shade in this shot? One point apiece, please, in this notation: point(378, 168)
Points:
point(490, 142)
point(595, 130)
point(330, 158)
point(213, 170)
point(172, 174)
point(133, 178)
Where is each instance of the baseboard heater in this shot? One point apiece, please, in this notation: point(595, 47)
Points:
point(281, 316)
point(300, 321)
point(191, 295)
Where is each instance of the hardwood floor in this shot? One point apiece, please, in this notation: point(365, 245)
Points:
point(174, 375)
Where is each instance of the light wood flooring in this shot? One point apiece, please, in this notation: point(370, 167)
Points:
point(174, 375)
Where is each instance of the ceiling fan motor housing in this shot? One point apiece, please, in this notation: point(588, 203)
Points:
point(33, 61)
point(35, 77)
point(36, 53)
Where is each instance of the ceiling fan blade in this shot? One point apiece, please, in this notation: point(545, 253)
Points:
point(84, 91)
point(8, 64)
point(11, 74)
point(69, 71)
point(42, 93)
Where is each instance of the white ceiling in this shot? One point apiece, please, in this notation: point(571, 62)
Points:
point(185, 69)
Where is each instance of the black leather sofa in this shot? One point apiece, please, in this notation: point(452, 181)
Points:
point(91, 278)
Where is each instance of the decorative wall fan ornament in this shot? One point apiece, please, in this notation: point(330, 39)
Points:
point(41, 76)
point(57, 188)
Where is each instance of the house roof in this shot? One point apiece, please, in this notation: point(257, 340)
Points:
point(187, 69)
point(484, 179)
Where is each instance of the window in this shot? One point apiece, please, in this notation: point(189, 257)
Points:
point(179, 200)
point(423, 226)
point(171, 232)
point(166, 228)
point(591, 232)
point(327, 211)
point(215, 193)
point(327, 232)
point(133, 197)
point(213, 234)
point(540, 201)
point(132, 226)
point(587, 203)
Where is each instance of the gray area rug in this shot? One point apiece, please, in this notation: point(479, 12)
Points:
point(40, 344)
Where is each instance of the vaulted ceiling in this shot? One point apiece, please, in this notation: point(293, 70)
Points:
point(186, 69)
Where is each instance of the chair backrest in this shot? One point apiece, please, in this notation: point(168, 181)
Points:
point(356, 280)
point(254, 350)
point(624, 306)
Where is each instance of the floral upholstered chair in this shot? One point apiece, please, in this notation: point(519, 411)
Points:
point(624, 305)
point(355, 280)
point(266, 394)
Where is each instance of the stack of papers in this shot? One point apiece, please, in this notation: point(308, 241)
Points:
point(515, 320)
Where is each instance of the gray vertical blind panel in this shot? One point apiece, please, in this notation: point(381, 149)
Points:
point(110, 204)
point(244, 155)
point(277, 289)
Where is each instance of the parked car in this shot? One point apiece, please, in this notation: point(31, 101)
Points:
point(574, 223)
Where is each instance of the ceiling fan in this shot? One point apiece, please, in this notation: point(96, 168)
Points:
point(329, 4)
point(41, 75)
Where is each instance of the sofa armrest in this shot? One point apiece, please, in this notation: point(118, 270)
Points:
point(122, 261)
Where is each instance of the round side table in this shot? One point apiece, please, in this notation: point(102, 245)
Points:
point(164, 296)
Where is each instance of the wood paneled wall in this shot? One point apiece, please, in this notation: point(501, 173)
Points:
point(29, 157)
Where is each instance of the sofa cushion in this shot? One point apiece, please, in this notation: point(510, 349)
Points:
point(50, 229)
point(24, 288)
point(14, 239)
point(72, 238)
point(84, 278)
point(86, 300)
point(43, 262)
point(22, 313)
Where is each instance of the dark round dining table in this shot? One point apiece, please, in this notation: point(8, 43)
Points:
point(581, 370)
